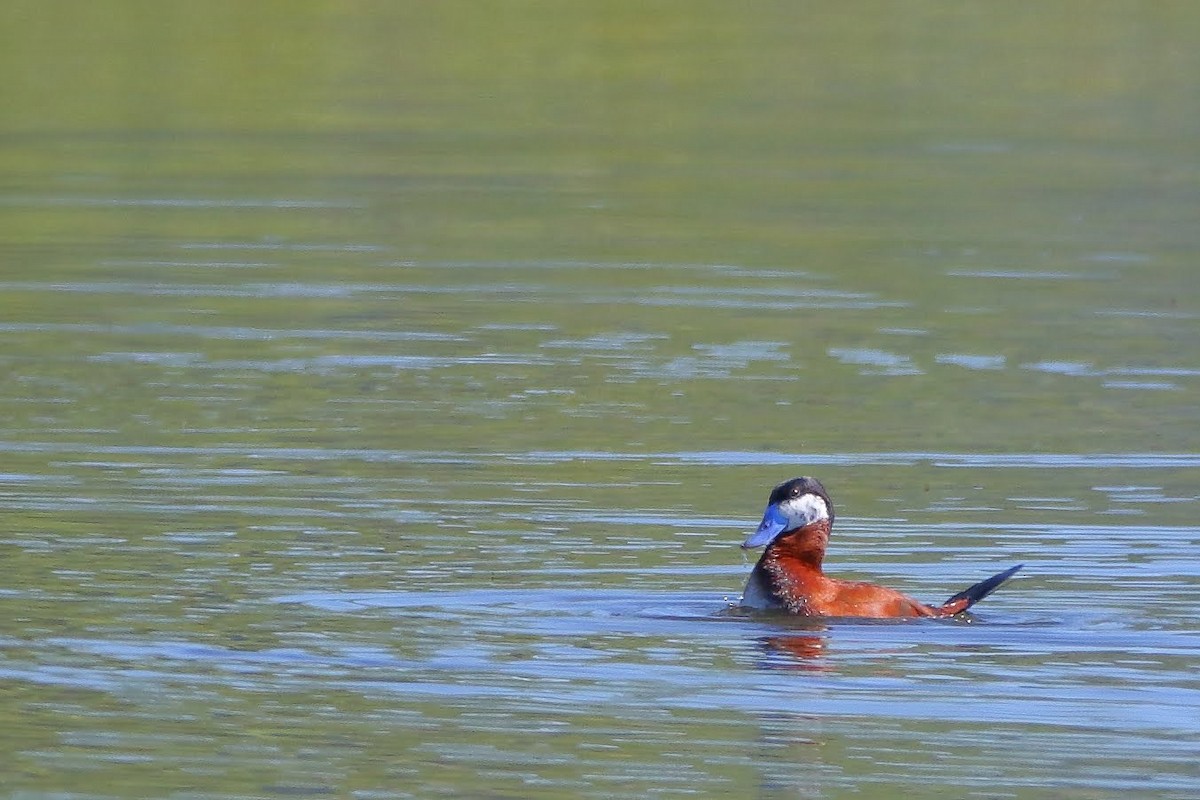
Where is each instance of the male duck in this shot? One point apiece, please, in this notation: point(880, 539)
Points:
point(795, 530)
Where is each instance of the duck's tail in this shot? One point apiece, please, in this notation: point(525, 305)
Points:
point(973, 594)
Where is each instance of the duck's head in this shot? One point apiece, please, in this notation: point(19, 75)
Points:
point(792, 505)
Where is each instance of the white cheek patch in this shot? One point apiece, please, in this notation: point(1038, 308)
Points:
point(804, 510)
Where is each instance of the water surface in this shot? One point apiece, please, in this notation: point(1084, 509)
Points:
point(383, 407)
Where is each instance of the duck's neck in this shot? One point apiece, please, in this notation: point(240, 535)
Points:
point(789, 572)
point(803, 549)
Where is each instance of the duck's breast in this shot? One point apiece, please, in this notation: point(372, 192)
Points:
point(757, 593)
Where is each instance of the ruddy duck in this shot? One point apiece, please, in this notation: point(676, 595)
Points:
point(795, 530)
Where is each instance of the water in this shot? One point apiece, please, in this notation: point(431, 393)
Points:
point(383, 407)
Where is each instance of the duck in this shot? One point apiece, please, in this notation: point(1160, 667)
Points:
point(795, 531)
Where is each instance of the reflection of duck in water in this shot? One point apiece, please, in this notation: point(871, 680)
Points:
point(803, 648)
point(795, 530)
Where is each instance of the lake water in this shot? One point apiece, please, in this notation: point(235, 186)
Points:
point(386, 390)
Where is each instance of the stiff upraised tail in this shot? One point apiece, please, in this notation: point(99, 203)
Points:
point(973, 594)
